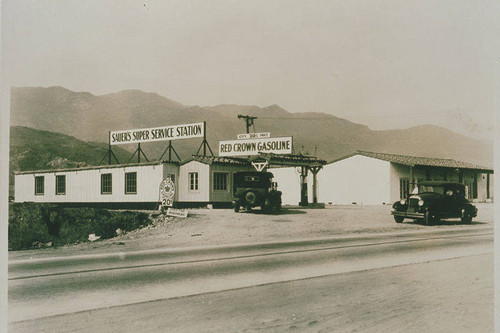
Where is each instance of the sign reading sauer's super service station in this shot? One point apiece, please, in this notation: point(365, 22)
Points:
point(157, 134)
point(254, 146)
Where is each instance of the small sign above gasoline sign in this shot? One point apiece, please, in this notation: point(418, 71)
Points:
point(164, 133)
point(255, 146)
point(254, 135)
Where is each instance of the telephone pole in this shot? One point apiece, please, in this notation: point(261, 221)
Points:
point(248, 120)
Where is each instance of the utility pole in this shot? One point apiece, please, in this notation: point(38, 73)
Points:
point(248, 120)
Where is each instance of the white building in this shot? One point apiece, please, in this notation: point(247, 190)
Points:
point(377, 178)
point(198, 181)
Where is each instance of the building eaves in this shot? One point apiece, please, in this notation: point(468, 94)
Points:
point(289, 158)
point(417, 161)
point(92, 167)
point(215, 160)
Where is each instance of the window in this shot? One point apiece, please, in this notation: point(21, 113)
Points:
point(106, 183)
point(61, 184)
point(193, 181)
point(404, 188)
point(39, 185)
point(172, 177)
point(220, 181)
point(252, 179)
point(131, 183)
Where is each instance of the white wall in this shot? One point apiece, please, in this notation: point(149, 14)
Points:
point(85, 185)
point(289, 183)
point(359, 179)
point(397, 171)
point(203, 192)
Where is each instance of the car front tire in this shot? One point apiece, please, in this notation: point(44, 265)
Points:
point(398, 219)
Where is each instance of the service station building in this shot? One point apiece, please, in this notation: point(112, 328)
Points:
point(359, 178)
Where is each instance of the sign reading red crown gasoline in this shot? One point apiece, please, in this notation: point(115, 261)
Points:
point(255, 146)
point(164, 133)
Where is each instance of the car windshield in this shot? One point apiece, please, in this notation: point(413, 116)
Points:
point(429, 188)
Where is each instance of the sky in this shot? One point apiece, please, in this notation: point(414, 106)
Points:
point(383, 63)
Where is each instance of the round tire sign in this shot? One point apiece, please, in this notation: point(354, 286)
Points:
point(167, 192)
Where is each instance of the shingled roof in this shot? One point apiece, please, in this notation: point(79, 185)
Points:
point(418, 161)
point(216, 159)
point(284, 160)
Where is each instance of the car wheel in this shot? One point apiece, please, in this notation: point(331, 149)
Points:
point(467, 219)
point(398, 219)
point(430, 218)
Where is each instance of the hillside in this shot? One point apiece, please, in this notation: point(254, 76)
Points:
point(32, 149)
point(89, 118)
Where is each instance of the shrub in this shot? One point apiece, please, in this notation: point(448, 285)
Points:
point(26, 226)
point(31, 223)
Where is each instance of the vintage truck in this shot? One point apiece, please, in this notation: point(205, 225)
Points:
point(255, 189)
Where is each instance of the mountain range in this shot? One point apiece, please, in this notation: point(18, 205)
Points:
point(89, 118)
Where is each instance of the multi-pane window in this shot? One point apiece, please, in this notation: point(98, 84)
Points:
point(220, 181)
point(61, 184)
point(39, 185)
point(404, 188)
point(106, 183)
point(193, 181)
point(131, 183)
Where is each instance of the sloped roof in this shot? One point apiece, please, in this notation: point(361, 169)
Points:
point(289, 159)
point(215, 159)
point(417, 160)
point(91, 167)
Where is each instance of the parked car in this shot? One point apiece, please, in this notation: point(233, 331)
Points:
point(432, 201)
point(254, 189)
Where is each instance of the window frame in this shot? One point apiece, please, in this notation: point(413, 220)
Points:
point(58, 183)
point(42, 186)
point(225, 182)
point(110, 183)
point(130, 173)
point(193, 181)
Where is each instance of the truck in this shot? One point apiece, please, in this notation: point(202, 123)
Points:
point(255, 189)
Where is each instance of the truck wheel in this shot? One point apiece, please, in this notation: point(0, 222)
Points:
point(398, 219)
point(236, 208)
point(250, 197)
point(278, 206)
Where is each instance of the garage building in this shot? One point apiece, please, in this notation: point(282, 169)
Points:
point(379, 178)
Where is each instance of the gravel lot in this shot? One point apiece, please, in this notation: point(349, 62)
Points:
point(205, 227)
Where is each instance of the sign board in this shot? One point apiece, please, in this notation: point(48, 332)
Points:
point(177, 212)
point(167, 192)
point(154, 134)
point(254, 135)
point(255, 146)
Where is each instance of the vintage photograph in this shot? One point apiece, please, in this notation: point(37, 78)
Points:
point(248, 166)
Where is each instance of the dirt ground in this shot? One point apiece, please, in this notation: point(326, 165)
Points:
point(208, 227)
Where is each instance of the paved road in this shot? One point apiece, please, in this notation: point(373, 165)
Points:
point(50, 293)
